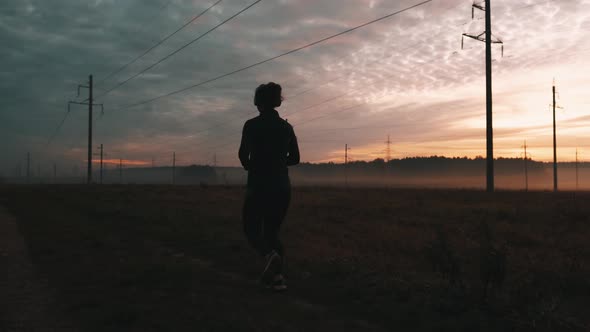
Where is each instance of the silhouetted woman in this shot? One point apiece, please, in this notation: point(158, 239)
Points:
point(268, 146)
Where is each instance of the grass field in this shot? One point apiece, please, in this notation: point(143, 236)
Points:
point(163, 258)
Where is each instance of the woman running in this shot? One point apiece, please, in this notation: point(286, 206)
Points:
point(268, 146)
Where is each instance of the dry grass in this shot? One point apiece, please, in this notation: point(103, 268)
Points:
point(142, 258)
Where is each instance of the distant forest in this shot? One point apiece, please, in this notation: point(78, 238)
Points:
point(442, 171)
point(438, 164)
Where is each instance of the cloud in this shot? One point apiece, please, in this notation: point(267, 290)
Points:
point(407, 71)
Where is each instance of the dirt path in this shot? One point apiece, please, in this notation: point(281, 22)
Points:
point(325, 319)
point(26, 301)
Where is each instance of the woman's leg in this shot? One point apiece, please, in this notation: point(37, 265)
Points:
point(252, 220)
point(276, 210)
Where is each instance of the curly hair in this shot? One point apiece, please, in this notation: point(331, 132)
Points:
point(268, 95)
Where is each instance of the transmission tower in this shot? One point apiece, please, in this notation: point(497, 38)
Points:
point(488, 38)
point(388, 149)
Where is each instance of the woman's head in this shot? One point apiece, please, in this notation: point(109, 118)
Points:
point(268, 96)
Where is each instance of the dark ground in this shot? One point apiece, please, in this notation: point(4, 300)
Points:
point(163, 258)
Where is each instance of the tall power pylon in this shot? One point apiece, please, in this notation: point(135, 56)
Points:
point(89, 104)
point(488, 38)
point(388, 149)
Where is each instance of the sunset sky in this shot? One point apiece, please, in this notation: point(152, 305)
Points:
point(405, 76)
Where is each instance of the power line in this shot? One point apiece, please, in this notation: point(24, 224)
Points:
point(274, 57)
point(58, 128)
point(313, 106)
point(304, 109)
point(340, 110)
point(63, 120)
point(297, 95)
point(179, 49)
point(414, 45)
point(116, 71)
point(323, 115)
point(66, 114)
point(340, 59)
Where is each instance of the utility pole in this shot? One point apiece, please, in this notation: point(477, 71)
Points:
point(90, 104)
point(486, 37)
point(526, 171)
point(173, 167)
point(90, 99)
point(28, 167)
point(577, 178)
point(101, 159)
point(554, 143)
point(346, 148)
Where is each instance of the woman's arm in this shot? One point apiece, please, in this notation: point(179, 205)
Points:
point(293, 157)
point(244, 152)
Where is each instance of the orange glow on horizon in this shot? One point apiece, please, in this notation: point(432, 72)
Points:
point(371, 152)
point(125, 162)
